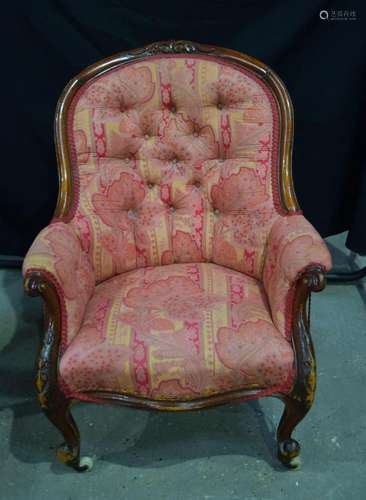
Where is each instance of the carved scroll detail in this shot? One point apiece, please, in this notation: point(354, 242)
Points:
point(46, 378)
point(51, 399)
point(312, 280)
point(173, 47)
point(301, 398)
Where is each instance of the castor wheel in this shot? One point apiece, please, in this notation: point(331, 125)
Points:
point(85, 464)
point(288, 453)
point(71, 457)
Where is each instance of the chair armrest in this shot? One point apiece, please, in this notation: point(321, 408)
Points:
point(57, 257)
point(293, 247)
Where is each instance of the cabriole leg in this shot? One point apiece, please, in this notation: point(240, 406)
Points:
point(288, 449)
point(51, 399)
point(300, 400)
point(69, 452)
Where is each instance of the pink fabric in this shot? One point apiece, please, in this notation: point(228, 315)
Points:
point(293, 246)
point(178, 332)
point(174, 159)
point(57, 251)
point(177, 217)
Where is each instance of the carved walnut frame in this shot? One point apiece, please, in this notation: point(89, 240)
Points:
point(52, 400)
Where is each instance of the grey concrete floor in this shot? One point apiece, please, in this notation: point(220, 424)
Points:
point(224, 453)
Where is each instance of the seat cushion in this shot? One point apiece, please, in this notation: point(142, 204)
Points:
point(178, 332)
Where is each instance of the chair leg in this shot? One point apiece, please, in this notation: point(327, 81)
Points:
point(288, 449)
point(69, 452)
point(299, 401)
point(51, 399)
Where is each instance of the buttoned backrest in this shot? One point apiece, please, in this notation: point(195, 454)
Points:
point(174, 158)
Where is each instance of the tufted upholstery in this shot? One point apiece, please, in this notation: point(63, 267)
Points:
point(176, 266)
point(174, 160)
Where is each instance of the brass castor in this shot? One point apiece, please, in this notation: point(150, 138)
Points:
point(71, 458)
point(288, 453)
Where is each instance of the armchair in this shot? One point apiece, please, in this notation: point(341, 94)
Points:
point(177, 269)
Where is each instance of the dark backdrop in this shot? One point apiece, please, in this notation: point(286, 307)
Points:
point(321, 61)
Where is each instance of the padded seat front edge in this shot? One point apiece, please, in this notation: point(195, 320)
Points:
point(178, 332)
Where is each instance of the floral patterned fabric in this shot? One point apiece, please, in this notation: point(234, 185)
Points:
point(174, 156)
point(293, 245)
point(176, 265)
point(178, 332)
point(57, 251)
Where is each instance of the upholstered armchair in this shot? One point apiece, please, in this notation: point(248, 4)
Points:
point(177, 269)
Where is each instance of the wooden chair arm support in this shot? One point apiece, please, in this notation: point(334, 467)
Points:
point(38, 284)
point(311, 280)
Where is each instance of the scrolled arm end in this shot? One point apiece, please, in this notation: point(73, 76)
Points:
point(295, 248)
point(34, 284)
point(314, 279)
point(57, 268)
point(295, 254)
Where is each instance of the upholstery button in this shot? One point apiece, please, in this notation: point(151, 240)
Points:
point(131, 214)
point(171, 208)
point(175, 161)
point(195, 134)
point(173, 109)
point(219, 105)
point(216, 211)
point(146, 137)
point(197, 184)
point(150, 185)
